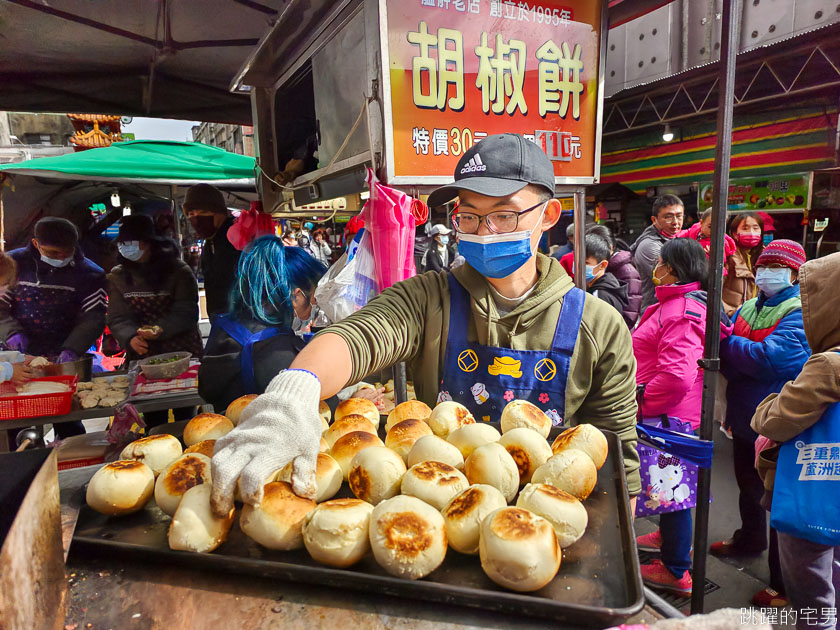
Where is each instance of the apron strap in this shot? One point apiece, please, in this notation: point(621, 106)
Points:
point(568, 323)
point(459, 311)
point(246, 339)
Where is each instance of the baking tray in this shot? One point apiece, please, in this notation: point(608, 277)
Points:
point(598, 585)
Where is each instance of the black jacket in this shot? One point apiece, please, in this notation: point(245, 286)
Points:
point(219, 261)
point(432, 260)
point(611, 290)
point(220, 374)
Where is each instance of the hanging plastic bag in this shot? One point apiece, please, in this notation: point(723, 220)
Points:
point(390, 223)
point(349, 283)
point(250, 225)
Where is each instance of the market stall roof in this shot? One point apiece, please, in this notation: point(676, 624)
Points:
point(145, 161)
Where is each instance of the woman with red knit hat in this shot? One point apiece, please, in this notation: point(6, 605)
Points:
point(767, 348)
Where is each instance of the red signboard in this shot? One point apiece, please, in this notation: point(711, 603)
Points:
point(459, 70)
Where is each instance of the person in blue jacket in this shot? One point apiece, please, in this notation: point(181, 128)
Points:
point(767, 348)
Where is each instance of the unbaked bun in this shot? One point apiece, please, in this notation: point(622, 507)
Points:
point(586, 438)
point(375, 474)
point(194, 527)
point(433, 482)
point(465, 512)
point(346, 447)
point(521, 413)
point(276, 522)
point(518, 549)
point(408, 410)
point(469, 437)
point(493, 465)
point(205, 447)
point(346, 425)
point(336, 532)
point(328, 477)
point(156, 451)
point(192, 469)
point(360, 407)
point(566, 514)
point(235, 409)
point(408, 537)
point(448, 416)
point(402, 436)
point(528, 449)
point(431, 448)
point(572, 471)
point(206, 426)
point(120, 487)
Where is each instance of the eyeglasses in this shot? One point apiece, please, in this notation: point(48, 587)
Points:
point(498, 222)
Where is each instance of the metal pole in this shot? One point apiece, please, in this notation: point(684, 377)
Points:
point(580, 245)
point(711, 359)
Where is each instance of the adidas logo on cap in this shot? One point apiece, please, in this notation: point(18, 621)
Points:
point(474, 165)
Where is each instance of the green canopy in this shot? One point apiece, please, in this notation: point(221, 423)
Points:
point(151, 161)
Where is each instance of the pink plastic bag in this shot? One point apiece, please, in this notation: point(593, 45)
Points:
point(250, 225)
point(391, 224)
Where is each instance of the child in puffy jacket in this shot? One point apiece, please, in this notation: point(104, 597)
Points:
point(702, 233)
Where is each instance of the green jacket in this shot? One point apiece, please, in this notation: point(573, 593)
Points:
point(410, 321)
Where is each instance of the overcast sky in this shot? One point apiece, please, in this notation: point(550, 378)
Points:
point(160, 129)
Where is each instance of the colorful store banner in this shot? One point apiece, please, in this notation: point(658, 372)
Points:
point(460, 70)
point(753, 195)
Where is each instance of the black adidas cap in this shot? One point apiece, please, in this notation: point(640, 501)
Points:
point(498, 166)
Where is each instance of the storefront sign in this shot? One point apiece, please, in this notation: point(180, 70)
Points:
point(761, 194)
point(460, 70)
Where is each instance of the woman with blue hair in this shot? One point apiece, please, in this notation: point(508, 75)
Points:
point(248, 346)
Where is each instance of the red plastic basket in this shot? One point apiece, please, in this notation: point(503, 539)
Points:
point(14, 407)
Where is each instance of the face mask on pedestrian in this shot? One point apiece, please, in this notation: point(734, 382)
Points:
point(444, 239)
point(499, 255)
point(659, 280)
point(204, 226)
point(130, 250)
point(749, 240)
point(771, 280)
point(57, 262)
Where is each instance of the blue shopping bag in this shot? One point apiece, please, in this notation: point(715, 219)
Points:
point(806, 494)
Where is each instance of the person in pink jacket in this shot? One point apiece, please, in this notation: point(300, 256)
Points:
point(702, 233)
point(667, 343)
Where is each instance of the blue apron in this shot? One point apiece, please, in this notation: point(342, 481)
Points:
point(485, 379)
point(247, 339)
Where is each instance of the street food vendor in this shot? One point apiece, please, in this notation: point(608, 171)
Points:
point(509, 321)
point(57, 308)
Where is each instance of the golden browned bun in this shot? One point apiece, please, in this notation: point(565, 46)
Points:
point(493, 465)
point(565, 513)
point(402, 436)
point(328, 477)
point(121, 487)
point(433, 482)
point(205, 447)
point(521, 413)
point(518, 549)
point(325, 447)
point(528, 449)
point(431, 448)
point(448, 416)
point(324, 411)
point(336, 532)
point(359, 407)
point(276, 522)
point(206, 426)
point(235, 409)
point(346, 447)
point(408, 537)
point(470, 436)
point(187, 471)
point(348, 424)
point(408, 410)
point(375, 474)
point(194, 526)
point(572, 471)
point(586, 438)
point(464, 513)
point(156, 451)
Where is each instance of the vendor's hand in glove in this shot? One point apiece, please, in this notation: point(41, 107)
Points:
point(139, 345)
point(18, 342)
point(67, 356)
point(279, 427)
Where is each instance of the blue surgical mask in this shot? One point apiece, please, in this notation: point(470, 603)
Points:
point(57, 262)
point(444, 239)
point(590, 273)
point(130, 250)
point(771, 281)
point(497, 255)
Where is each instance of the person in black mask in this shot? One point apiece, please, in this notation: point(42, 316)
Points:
point(205, 208)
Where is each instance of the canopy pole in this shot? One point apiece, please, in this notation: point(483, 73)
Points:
point(711, 356)
point(2, 215)
point(580, 244)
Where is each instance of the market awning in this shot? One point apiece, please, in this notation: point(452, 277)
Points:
point(154, 162)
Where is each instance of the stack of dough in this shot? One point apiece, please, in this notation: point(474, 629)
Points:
point(121, 487)
point(206, 426)
point(433, 482)
point(194, 527)
point(192, 469)
point(360, 407)
point(156, 451)
point(448, 416)
point(276, 522)
point(336, 532)
point(235, 409)
point(586, 438)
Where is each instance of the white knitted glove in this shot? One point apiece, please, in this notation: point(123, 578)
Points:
point(279, 427)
